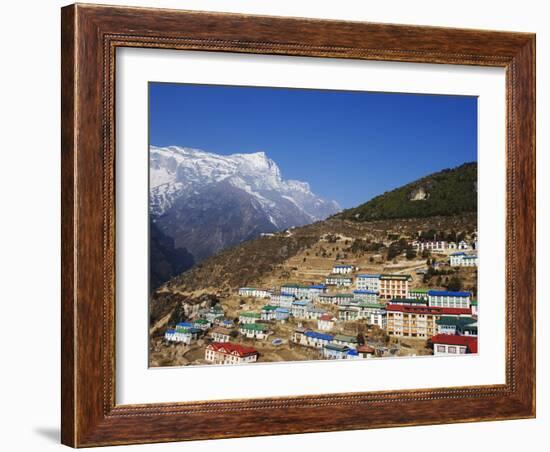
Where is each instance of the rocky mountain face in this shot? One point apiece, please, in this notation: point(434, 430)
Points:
point(168, 259)
point(207, 202)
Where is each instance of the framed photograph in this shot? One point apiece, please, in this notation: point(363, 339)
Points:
point(267, 219)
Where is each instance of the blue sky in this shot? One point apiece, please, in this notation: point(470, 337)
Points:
point(350, 146)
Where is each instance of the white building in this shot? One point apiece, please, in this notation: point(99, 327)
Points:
point(333, 351)
point(254, 292)
point(183, 335)
point(202, 324)
point(419, 294)
point(326, 299)
point(282, 314)
point(268, 312)
point(220, 334)
point(249, 317)
point(298, 336)
point(367, 282)
point(254, 330)
point(365, 295)
point(348, 313)
point(169, 334)
point(299, 308)
point(317, 340)
point(283, 300)
point(304, 291)
point(343, 298)
point(462, 259)
point(325, 322)
point(228, 353)
point(448, 299)
point(348, 341)
point(464, 326)
point(214, 313)
point(343, 269)
point(339, 280)
point(373, 314)
point(313, 313)
point(430, 245)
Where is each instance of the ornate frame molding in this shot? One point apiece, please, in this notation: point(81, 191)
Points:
point(90, 37)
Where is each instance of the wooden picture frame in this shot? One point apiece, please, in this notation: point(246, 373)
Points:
point(90, 36)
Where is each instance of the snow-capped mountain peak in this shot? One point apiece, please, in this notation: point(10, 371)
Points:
point(177, 172)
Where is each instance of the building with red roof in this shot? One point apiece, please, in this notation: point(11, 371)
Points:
point(447, 344)
point(325, 322)
point(230, 353)
point(365, 351)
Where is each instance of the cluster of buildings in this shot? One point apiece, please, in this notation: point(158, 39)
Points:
point(446, 319)
point(332, 346)
point(440, 246)
point(464, 256)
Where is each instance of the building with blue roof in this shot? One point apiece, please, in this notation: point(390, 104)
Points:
point(318, 340)
point(449, 299)
point(318, 286)
point(169, 334)
point(333, 351)
point(462, 259)
point(282, 314)
point(184, 334)
point(303, 291)
point(301, 303)
point(443, 293)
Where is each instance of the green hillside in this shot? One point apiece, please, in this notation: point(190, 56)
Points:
point(448, 192)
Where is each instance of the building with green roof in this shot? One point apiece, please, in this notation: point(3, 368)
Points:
point(249, 317)
point(254, 330)
point(456, 325)
point(343, 339)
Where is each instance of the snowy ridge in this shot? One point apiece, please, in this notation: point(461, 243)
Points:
point(179, 172)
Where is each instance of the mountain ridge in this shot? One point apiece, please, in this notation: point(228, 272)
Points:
point(448, 192)
point(175, 170)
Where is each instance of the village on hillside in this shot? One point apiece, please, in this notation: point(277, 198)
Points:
point(346, 311)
